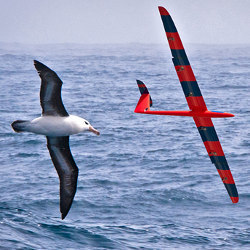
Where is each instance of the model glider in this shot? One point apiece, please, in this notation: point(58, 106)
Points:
point(198, 109)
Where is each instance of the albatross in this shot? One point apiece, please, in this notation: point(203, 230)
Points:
point(57, 125)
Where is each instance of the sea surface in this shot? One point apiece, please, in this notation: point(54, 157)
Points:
point(146, 182)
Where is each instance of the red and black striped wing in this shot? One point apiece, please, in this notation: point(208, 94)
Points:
point(196, 103)
point(212, 144)
point(182, 66)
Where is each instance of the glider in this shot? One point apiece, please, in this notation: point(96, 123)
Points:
point(198, 109)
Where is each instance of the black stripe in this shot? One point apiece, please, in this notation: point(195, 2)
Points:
point(143, 90)
point(179, 57)
point(208, 134)
point(220, 162)
point(190, 88)
point(168, 24)
point(231, 189)
point(142, 87)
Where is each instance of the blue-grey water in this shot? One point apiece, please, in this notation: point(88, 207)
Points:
point(146, 182)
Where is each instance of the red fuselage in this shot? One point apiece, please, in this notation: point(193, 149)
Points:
point(210, 114)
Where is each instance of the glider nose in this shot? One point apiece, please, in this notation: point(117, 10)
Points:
point(94, 130)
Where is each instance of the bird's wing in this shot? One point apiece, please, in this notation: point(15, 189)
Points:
point(50, 92)
point(66, 168)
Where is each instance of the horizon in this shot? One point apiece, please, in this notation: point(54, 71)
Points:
point(123, 22)
point(123, 43)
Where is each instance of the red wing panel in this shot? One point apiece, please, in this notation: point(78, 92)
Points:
point(182, 65)
point(211, 141)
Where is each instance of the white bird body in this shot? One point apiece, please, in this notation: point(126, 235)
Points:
point(57, 125)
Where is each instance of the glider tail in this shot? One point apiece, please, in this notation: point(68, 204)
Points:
point(145, 101)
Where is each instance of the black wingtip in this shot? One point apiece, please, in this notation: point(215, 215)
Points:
point(65, 213)
point(64, 207)
point(40, 66)
point(66, 201)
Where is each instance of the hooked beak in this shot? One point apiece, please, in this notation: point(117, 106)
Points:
point(94, 130)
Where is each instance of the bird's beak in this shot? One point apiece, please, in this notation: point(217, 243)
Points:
point(94, 130)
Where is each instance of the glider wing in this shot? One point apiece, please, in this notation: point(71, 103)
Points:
point(196, 103)
point(212, 144)
point(182, 66)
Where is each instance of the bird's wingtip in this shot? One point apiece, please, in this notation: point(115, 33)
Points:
point(65, 206)
point(37, 63)
point(63, 216)
point(40, 66)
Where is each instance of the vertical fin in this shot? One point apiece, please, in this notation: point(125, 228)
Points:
point(143, 90)
point(145, 101)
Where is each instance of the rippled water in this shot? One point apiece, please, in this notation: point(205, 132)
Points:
point(146, 182)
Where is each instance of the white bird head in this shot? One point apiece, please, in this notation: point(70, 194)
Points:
point(88, 126)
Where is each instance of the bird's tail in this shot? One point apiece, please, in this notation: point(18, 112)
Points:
point(19, 125)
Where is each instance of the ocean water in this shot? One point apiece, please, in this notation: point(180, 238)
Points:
point(146, 182)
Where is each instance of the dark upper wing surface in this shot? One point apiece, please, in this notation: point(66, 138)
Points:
point(50, 92)
point(66, 168)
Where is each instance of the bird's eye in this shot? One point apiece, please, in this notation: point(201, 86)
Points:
point(86, 123)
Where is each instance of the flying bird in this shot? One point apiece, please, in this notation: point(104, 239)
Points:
point(57, 125)
point(198, 109)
